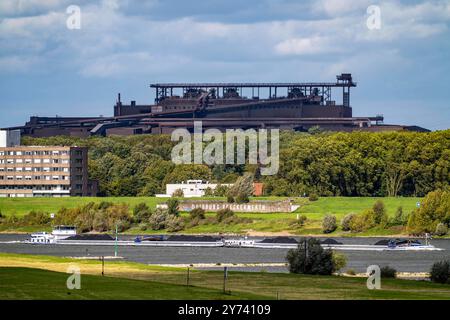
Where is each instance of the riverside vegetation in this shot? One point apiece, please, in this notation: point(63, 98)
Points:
point(358, 164)
point(329, 216)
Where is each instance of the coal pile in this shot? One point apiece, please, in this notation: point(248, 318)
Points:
point(279, 240)
point(187, 238)
point(330, 241)
point(90, 237)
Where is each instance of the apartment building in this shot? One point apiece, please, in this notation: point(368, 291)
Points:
point(44, 171)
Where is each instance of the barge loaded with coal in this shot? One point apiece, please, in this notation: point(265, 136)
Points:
point(66, 235)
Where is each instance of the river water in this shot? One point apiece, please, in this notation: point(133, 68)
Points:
point(403, 261)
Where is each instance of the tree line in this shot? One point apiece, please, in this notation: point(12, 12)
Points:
point(325, 163)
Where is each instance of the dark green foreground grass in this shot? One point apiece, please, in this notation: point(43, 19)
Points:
point(27, 283)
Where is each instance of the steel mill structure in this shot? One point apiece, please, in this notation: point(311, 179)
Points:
point(295, 106)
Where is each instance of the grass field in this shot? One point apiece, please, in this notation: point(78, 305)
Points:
point(262, 222)
point(151, 282)
point(32, 284)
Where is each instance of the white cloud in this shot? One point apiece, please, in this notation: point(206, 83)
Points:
point(24, 7)
point(338, 8)
point(302, 46)
point(109, 41)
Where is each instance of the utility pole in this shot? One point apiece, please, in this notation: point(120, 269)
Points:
point(225, 276)
point(103, 265)
point(115, 244)
point(187, 279)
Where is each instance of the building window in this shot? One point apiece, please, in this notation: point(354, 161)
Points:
point(46, 161)
point(37, 160)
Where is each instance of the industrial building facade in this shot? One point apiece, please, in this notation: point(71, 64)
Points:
point(295, 106)
point(45, 171)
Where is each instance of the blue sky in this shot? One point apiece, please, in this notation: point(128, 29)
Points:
point(402, 69)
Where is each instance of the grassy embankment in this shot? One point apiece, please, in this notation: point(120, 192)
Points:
point(262, 222)
point(125, 280)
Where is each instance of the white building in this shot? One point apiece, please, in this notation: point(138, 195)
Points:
point(9, 138)
point(190, 188)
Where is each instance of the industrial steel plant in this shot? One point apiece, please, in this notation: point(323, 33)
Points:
point(295, 106)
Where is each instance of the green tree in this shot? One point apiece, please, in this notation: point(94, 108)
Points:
point(310, 258)
point(172, 206)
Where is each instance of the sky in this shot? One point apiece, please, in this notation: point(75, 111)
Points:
point(401, 64)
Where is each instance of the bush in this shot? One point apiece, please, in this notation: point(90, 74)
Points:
point(230, 198)
point(440, 272)
point(100, 222)
point(313, 196)
point(346, 221)
point(435, 208)
point(379, 212)
point(36, 218)
point(388, 272)
point(209, 192)
point(197, 213)
point(142, 226)
point(157, 220)
point(223, 214)
point(122, 225)
point(329, 224)
point(243, 187)
point(399, 219)
point(441, 229)
point(363, 221)
point(172, 206)
point(141, 212)
point(178, 193)
point(339, 261)
point(351, 272)
point(174, 223)
point(241, 198)
point(310, 260)
point(221, 190)
point(300, 222)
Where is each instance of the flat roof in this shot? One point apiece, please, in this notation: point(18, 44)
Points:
point(252, 84)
